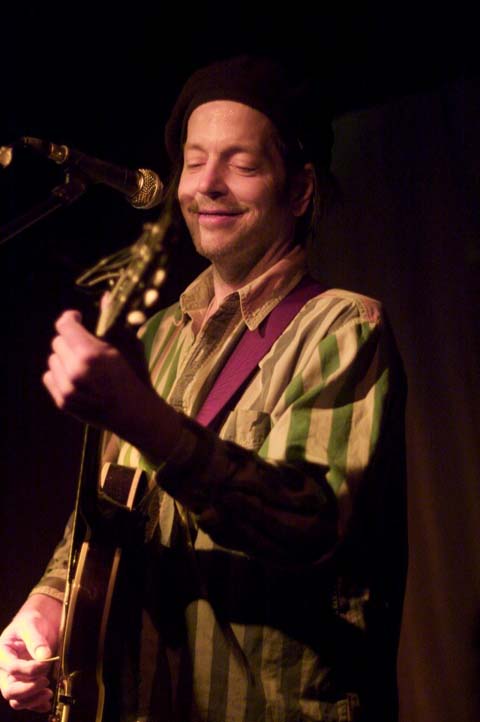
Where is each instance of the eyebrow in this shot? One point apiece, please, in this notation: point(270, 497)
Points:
point(229, 150)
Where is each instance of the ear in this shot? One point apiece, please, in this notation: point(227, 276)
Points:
point(302, 189)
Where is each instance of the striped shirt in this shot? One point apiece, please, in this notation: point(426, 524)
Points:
point(275, 549)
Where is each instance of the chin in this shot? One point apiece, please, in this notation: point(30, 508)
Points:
point(216, 249)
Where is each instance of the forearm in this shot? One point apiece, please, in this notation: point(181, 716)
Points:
point(276, 511)
point(146, 421)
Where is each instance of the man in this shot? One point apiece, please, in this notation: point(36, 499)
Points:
point(275, 548)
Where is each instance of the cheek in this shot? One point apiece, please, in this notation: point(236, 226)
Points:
point(258, 195)
point(185, 190)
point(180, 194)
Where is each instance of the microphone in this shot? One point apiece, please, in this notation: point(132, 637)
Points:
point(143, 187)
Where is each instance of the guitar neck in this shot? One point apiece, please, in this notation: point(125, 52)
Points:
point(87, 493)
point(143, 275)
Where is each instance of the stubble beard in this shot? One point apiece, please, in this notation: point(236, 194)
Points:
point(233, 259)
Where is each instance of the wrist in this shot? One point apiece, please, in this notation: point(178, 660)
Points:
point(42, 603)
point(156, 428)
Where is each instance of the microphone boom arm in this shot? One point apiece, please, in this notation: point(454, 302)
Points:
point(61, 196)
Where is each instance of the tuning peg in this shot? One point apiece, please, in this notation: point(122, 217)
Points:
point(159, 277)
point(150, 297)
point(136, 318)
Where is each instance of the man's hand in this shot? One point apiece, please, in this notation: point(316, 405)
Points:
point(30, 638)
point(92, 380)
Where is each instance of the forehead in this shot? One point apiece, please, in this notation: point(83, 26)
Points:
point(225, 122)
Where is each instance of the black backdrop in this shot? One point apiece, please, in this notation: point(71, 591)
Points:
point(104, 83)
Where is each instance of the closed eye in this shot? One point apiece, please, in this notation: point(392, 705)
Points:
point(245, 168)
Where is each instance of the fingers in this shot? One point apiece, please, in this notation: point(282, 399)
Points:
point(68, 318)
point(34, 694)
point(22, 651)
point(75, 341)
point(64, 352)
point(68, 398)
point(24, 684)
point(57, 381)
point(72, 367)
point(26, 648)
point(94, 381)
point(21, 666)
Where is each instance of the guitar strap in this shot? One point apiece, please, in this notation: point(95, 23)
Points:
point(249, 351)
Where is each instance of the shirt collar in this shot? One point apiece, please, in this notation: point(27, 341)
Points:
point(257, 298)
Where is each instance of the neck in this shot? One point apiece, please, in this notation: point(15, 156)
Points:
point(229, 277)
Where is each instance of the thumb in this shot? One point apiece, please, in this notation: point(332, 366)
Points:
point(36, 644)
point(41, 652)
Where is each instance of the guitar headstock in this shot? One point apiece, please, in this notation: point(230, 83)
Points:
point(136, 290)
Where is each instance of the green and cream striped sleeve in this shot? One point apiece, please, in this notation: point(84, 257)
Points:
point(281, 480)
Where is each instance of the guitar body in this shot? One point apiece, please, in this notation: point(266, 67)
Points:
point(92, 643)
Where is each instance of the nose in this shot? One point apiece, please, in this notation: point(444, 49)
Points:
point(212, 181)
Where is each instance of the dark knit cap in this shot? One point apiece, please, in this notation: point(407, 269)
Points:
point(261, 83)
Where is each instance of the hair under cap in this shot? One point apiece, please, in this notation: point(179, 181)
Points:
point(261, 83)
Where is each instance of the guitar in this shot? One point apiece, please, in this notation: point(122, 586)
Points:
point(106, 527)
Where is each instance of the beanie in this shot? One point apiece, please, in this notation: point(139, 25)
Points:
point(303, 122)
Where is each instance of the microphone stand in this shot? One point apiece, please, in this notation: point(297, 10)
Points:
point(61, 196)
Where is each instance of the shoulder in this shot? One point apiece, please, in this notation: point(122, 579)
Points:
point(366, 308)
point(336, 308)
point(356, 324)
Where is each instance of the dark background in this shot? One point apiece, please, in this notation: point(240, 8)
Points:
point(103, 82)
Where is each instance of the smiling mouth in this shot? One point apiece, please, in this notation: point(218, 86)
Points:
point(218, 218)
point(217, 212)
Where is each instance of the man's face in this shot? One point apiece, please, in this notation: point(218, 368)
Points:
point(232, 189)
